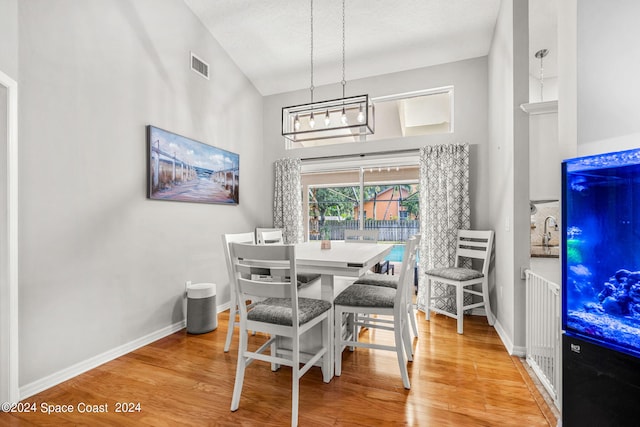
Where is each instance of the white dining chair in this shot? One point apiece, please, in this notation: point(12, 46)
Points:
point(471, 244)
point(366, 236)
point(280, 314)
point(274, 236)
point(361, 236)
point(391, 281)
point(377, 301)
point(227, 239)
point(265, 236)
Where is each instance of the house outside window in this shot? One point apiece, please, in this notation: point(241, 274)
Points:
point(386, 196)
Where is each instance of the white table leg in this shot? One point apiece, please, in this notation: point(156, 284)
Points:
point(326, 293)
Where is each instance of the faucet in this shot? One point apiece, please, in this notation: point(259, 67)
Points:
point(546, 236)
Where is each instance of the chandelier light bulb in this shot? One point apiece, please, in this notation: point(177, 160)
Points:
point(299, 121)
point(360, 115)
point(343, 117)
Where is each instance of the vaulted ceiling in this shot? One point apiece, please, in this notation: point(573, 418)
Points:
point(270, 39)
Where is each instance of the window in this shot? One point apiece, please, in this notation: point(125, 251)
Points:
point(415, 113)
point(384, 198)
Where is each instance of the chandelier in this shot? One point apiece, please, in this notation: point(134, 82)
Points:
point(347, 117)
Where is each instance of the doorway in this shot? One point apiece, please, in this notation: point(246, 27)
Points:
point(9, 389)
point(384, 198)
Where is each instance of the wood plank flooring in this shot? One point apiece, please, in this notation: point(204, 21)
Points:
point(187, 380)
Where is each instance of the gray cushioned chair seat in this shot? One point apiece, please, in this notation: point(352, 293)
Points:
point(305, 279)
point(455, 273)
point(379, 280)
point(278, 310)
point(366, 296)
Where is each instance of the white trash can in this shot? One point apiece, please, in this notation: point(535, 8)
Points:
point(202, 315)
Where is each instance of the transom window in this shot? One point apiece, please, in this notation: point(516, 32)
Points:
point(402, 115)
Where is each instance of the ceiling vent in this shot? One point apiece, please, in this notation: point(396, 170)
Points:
point(199, 66)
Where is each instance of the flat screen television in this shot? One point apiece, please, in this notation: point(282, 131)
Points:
point(601, 249)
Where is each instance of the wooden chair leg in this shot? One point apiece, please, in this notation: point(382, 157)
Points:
point(295, 383)
point(400, 355)
point(459, 309)
point(406, 339)
point(294, 400)
point(241, 365)
point(487, 305)
point(274, 350)
point(411, 313)
point(337, 342)
point(427, 311)
point(326, 342)
point(233, 310)
point(353, 328)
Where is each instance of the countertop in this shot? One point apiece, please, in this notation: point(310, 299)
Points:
point(539, 251)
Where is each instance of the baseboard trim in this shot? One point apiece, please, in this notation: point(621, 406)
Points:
point(508, 344)
point(223, 307)
point(506, 341)
point(54, 379)
point(478, 311)
point(519, 351)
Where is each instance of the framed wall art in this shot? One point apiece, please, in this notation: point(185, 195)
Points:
point(185, 170)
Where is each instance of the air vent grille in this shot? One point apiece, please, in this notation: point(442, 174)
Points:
point(199, 66)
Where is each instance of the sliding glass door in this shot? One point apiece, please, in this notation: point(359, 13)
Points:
point(382, 198)
point(390, 202)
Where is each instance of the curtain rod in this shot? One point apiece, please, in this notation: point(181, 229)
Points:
point(362, 155)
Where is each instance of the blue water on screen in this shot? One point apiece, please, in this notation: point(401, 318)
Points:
point(601, 283)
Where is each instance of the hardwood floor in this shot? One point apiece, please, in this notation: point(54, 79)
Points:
point(187, 380)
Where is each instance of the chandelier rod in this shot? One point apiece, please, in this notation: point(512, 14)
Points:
point(311, 87)
point(344, 81)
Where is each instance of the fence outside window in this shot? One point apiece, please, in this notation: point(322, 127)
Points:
point(389, 230)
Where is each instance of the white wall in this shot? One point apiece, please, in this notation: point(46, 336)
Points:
point(567, 78)
point(9, 37)
point(544, 157)
point(4, 250)
point(608, 67)
point(549, 88)
point(469, 79)
point(521, 210)
point(100, 265)
point(509, 168)
point(549, 268)
point(8, 67)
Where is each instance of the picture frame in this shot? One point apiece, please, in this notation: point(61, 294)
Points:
point(185, 170)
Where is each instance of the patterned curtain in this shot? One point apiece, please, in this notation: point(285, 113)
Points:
point(444, 208)
point(287, 200)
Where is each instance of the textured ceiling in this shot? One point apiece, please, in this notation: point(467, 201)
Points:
point(270, 39)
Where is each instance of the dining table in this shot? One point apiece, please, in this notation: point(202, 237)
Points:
point(350, 259)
